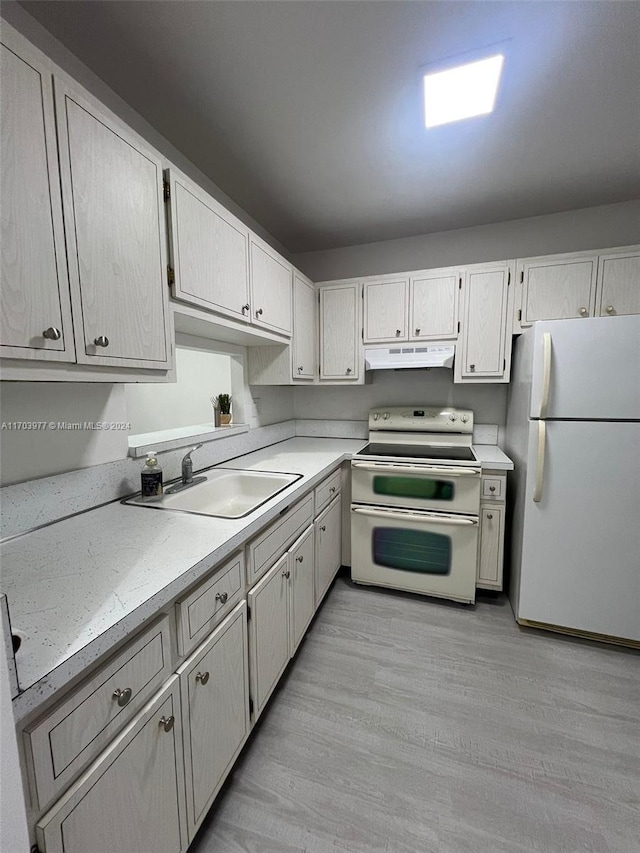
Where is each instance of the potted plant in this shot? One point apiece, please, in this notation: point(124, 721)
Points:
point(224, 402)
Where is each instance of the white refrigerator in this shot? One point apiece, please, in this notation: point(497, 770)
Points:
point(573, 431)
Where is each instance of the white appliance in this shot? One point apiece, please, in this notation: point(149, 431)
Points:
point(409, 356)
point(573, 431)
point(415, 493)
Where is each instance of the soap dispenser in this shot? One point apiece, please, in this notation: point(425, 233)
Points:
point(151, 479)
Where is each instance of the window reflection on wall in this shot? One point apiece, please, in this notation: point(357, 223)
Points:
point(201, 374)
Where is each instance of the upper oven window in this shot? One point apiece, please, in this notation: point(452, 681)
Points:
point(427, 488)
point(412, 550)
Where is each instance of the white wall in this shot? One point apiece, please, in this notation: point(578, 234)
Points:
point(575, 230)
point(398, 388)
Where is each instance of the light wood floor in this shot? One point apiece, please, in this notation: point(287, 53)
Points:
point(407, 725)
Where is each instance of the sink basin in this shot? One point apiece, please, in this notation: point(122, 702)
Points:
point(225, 493)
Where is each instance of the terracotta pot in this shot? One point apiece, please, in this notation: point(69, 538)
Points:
point(225, 420)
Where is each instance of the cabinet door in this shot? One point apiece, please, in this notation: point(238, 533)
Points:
point(301, 560)
point(305, 359)
point(556, 288)
point(114, 219)
point(268, 632)
point(328, 547)
point(210, 251)
point(385, 311)
point(271, 278)
point(491, 546)
point(340, 331)
point(618, 284)
point(215, 699)
point(35, 287)
point(485, 326)
point(433, 305)
point(132, 797)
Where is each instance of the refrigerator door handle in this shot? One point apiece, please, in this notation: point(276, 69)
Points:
point(542, 441)
point(546, 374)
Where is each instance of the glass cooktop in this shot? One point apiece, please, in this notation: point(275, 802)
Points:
point(405, 451)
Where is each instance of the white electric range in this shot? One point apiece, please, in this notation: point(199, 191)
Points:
point(416, 503)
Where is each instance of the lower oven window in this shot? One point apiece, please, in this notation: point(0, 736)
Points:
point(412, 550)
point(427, 488)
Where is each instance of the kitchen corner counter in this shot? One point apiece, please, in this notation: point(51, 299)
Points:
point(491, 457)
point(77, 588)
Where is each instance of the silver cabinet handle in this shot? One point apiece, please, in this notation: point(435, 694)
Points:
point(122, 697)
point(246, 308)
point(332, 489)
point(472, 367)
point(286, 574)
point(398, 333)
point(417, 331)
point(102, 341)
point(222, 597)
point(489, 515)
point(323, 527)
point(300, 559)
point(202, 677)
point(348, 370)
point(52, 334)
point(542, 440)
point(300, 369)
point(583, 312)
point(492, 488)
point(258, 312)
point(610, 310)
point(166, 723)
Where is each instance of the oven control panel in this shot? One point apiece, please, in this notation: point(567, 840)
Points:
point(421, 419)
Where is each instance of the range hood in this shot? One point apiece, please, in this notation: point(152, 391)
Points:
point(420, 355)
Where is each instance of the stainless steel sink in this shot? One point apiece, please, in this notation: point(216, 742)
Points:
point(224, 493)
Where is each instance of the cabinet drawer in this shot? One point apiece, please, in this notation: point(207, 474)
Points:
point(493, 488)
point(199, 612)
point(490, 551)
point(327, 491)
point(63, 743)
point(265, 549)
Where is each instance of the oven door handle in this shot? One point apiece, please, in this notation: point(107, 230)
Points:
point(392, 467)
point(410, 516)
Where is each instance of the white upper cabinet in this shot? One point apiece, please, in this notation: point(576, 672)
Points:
point(433, 305)
point(209, 251)
point(35, 318)
point(485, 352)
point(618, 284)
point(271, 278)
point(114, 215)
point(556, 288)
point(340, 333)
point(385, 310)
point(305, 351)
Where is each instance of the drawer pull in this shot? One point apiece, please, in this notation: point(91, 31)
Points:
point(166, 723)
point(583, 312)
point(53, 334)
point(323, 527)
point(489, 515)
point(300, 559)
point(259, 312)
point(610, 309)
point(102, 341)
point(286, 574)
point(492, 488)
point(417, 331)
point(222, 597)
point(202, 677)
point(332, 489)
point(122, 697)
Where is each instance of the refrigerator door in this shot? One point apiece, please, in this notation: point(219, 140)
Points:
point(592, 369)
point(581, 542)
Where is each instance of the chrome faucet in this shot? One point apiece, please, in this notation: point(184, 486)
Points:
point(187, 466)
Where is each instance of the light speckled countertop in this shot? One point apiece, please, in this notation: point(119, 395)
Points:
point(490, 456)
point(79, 586)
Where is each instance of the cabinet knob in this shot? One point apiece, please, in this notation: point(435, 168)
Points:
point(417, 332)
point(258, 312)
point(348, 370)
point(286, 574)
point(472, 367)
point(332, 489)
point(323, 527)
point(202, 677)
point(52, 334)
point(300, 369)
point(222, 597)
point(122, 697)
point(583, 312)
point(610, 310)
point(489, 515)
point(398, 333)
point(246, 308)
point(492, 488)
point(300, 559)
point(166, 723)
point(102, 341)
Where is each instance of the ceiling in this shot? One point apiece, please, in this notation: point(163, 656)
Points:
point(308, 113)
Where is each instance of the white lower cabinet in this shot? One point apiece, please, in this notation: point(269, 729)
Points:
point(214, 684)
point(491, 532)
point(328, 547)
point(132, 797)
point(302, 604)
